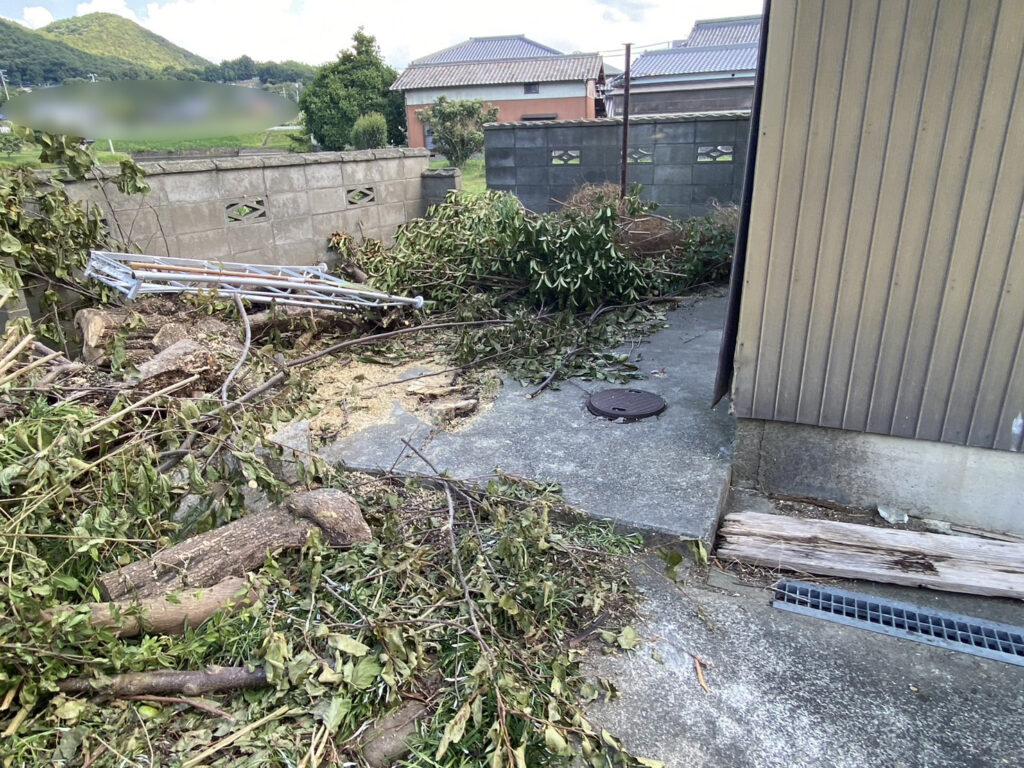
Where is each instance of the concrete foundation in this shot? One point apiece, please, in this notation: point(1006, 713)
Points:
point(961, 485)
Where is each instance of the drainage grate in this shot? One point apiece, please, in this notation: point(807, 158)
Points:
point(946, 630)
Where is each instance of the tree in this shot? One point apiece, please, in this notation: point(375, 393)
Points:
point(356, 84)
point(370, 132)
point(458, 127)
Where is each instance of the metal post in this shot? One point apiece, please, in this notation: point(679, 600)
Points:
point(3, 79)
point(625, 124)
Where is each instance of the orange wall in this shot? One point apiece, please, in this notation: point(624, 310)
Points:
point(566, 108)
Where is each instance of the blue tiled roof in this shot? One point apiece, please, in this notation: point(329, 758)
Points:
point(695, 61)
point(543, 69)
point(489, 49)
point(742, 29)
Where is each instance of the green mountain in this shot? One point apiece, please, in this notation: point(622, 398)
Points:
point(32, 59)
point(104, 33)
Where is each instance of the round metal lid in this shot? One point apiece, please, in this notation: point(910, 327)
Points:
point(626, 404)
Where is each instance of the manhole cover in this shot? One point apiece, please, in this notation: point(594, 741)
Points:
point(628, 404)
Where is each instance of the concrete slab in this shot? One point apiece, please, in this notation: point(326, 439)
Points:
point(664, 476)
point(790, 691)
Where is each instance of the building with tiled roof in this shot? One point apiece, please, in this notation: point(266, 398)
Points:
point(524, 79)
point(712, 70)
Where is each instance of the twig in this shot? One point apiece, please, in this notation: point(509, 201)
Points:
point(229, 740)
point(95, 755)
point(467, 597)
point(9, 358)
point(31, 366)
point(571, 353)
point(388, 335)
point(245, 350)
point(15, 724)
point(134, 406)
point(202, 706)
point(699, 666)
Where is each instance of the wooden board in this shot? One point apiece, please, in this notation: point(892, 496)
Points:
point(951, 563)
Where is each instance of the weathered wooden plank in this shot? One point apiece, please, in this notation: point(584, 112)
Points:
point(911, 558)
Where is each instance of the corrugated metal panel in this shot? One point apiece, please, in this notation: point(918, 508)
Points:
point(543, 70)
point(489, 48)
point(885, 264)
point(746, 29)
point(691, 61)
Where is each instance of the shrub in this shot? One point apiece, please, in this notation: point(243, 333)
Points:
point(9, 144)
point(370, 132)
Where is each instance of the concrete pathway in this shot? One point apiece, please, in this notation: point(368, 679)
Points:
point(665, 476)
point(791, 691)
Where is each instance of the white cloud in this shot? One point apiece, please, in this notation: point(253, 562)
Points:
point(35, 16)
point(314, 31)
point(119, 7)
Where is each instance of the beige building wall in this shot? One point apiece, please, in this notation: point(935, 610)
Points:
point(884, 284)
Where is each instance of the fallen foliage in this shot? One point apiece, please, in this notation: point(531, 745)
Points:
point(570, 285)
point(461, 615)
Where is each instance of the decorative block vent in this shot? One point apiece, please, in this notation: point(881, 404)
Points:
point(719, 154)
point(360, 196)
point(246, 211)
point(565, 157)
point(640, 155)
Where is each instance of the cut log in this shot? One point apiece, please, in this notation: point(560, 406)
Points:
point(181, 359)
point(847, 550)
point(287, 318)
point(425, 391)
point(445, 409)
point(164, 615)
point(335, 512)
point(99, 327)
point(213, 679)
point(148, 327)
point(240, 546)
point(386, 742)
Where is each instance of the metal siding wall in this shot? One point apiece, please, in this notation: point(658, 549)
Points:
point(886, 259)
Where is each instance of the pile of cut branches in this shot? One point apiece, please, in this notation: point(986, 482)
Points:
point(569, 285)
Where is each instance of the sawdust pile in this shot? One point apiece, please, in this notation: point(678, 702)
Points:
point(351, 395)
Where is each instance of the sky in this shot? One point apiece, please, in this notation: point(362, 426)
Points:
point(313, 31)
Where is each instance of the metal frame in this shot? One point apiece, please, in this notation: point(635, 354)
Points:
point(300, 286)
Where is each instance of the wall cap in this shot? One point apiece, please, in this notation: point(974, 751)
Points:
point(201, 164)
point(736, 114)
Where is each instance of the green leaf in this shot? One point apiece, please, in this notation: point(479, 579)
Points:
point(628, 639)
point(332, 712)
point(9, 243)
point(348, 645)
point(365, 673)
point(699, 552)
point(554, 741)
point(508, 604)
point(454, 730)
point(70, 710)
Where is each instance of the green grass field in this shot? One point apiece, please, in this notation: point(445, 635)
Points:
point(266, 139)
point(474, 179)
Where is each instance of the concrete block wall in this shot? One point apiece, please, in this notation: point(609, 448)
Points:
point(680, 160)
point(271, 209)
